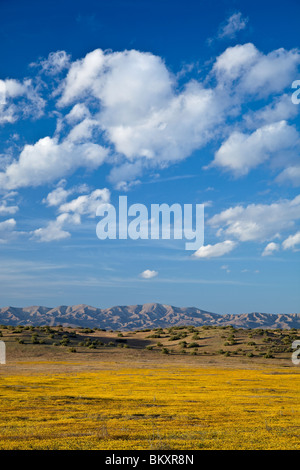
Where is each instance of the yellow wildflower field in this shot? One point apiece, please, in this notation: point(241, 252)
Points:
point(164, 407)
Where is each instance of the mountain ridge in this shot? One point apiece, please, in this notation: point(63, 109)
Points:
point(140, 316)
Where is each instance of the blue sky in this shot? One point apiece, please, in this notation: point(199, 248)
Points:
point(164, 102)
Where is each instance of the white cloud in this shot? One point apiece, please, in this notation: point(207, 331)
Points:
point(81, 76)
point(254, 72)
point(272, 72)
point(141, 113)
point(78, 113)
point(57, 196)
point(54, 229)
point(148, 274)
point(291, 174)
point(7, 229)
point(7, 209)
point(280, 109)
point(291, 242)
point(242, 152)
point(48, 160)
point(131, 101)
point(235, 61)
point(270, 249)
point(19, 99)
point(259, 222)
point(70, 212)
point(83, 131)
point(55, 63)
point(212, 251)
point(87, 204)
point(235, 23)
point(146, 118)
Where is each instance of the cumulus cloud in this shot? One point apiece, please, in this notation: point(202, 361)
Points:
point(291, 242)
point(280, 109)
point(141, 113)
point(7, 229)
point(270, 249)
point(129, 104)
point(77, 113)
point(234, 62)
point(54, 229)
point(213, 251)
point(19, 99)
point(6, 209)
point(57, 196)
point(291, 174)
point(87, 204)
point(253, 72)
point(242, 152)
point(257, 222)
point(71, 212)
point(48, 160)
point(148, 274)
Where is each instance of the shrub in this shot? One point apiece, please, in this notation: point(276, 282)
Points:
point(268, 355)
point(174, 337)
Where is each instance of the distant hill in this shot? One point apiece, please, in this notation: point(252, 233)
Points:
point(134, 317)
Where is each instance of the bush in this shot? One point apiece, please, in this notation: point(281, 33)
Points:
point(174, 337)
point(165, 351)
point(268, 355)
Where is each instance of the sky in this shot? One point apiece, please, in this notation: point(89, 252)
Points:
point(182, 102)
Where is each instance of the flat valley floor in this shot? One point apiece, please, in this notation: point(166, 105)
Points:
point(65, 388)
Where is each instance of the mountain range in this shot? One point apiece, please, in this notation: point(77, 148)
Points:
point(133, 317)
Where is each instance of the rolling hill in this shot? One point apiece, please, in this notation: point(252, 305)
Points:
point(132, 317)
